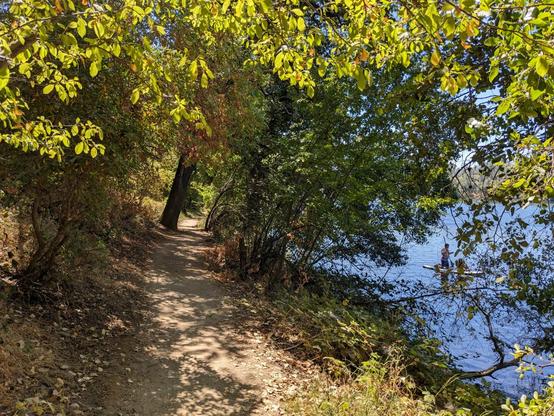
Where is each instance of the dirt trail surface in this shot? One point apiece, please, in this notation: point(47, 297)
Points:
point(195, 354)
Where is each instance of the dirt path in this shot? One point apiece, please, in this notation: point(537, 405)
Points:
point(195, 355)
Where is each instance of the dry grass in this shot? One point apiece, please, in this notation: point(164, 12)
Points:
point(379, 389)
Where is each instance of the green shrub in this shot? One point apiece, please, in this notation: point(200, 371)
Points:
point(372, 366)
point(329, 328)
point(538, 405)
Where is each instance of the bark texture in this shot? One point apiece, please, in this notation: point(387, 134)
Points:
point(177, 195)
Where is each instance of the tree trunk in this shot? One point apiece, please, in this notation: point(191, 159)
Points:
point(42, 261)
point(242, 259)
point(215, 205)
point(176, 199)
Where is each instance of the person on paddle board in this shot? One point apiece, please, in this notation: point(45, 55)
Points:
point(445, 256)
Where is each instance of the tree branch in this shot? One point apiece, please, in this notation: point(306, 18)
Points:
point(489, 371)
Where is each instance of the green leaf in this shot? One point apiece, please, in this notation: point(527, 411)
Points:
point(435, 58)
point(193, 69)
point(81, 27)
point(79, 148)
point(536, 93)
point(93, 152)
point(541, 66)
point(99, 29)
point(519, 183)
point(292, 23)
point(462, 81)
point(321, 70)
point(61, 92)
point(135, 96)
point(503, 107)
point(239, 8)
point(204, 80)
point(449, 26)
point(267, 6)
point(279, 60)
point(48, 89)
point(93, 69)
point(225, 6)
point(405, 59)
point(176, 116)
point(493, 73)
point(4, 76)
point(361, 79)
point(301, 24)
point(116, 49)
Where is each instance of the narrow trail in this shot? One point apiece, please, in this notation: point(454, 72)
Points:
point(195, 354)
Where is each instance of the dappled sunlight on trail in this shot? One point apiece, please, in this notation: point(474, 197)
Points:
point(195, 356)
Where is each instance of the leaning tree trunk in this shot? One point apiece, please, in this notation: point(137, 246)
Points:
point(176, 199)
point(33, 277)
point(42, 261)
point(215, 206)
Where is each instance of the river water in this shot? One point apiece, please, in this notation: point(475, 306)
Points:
point(466, 342)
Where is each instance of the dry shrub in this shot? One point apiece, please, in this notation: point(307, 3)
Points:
point(222, 257)
point(231, 251)
point(215, 257)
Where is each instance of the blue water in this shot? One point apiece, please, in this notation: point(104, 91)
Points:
point(464, 340)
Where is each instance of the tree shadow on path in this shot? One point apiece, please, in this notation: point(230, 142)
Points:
point(192, 355)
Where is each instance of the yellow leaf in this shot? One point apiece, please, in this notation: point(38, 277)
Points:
point(4, 76)
point(81, 27)
point(435, 58)
point(59, 7)
point(301, 24)
point(93, 69)
point(135, 96)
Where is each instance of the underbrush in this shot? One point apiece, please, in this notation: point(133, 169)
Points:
point(371, 367)
point(382, 389)
point(369, 362)
point(375, 389)
point(49, 350)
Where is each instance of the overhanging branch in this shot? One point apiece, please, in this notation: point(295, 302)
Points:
point(489, 371)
